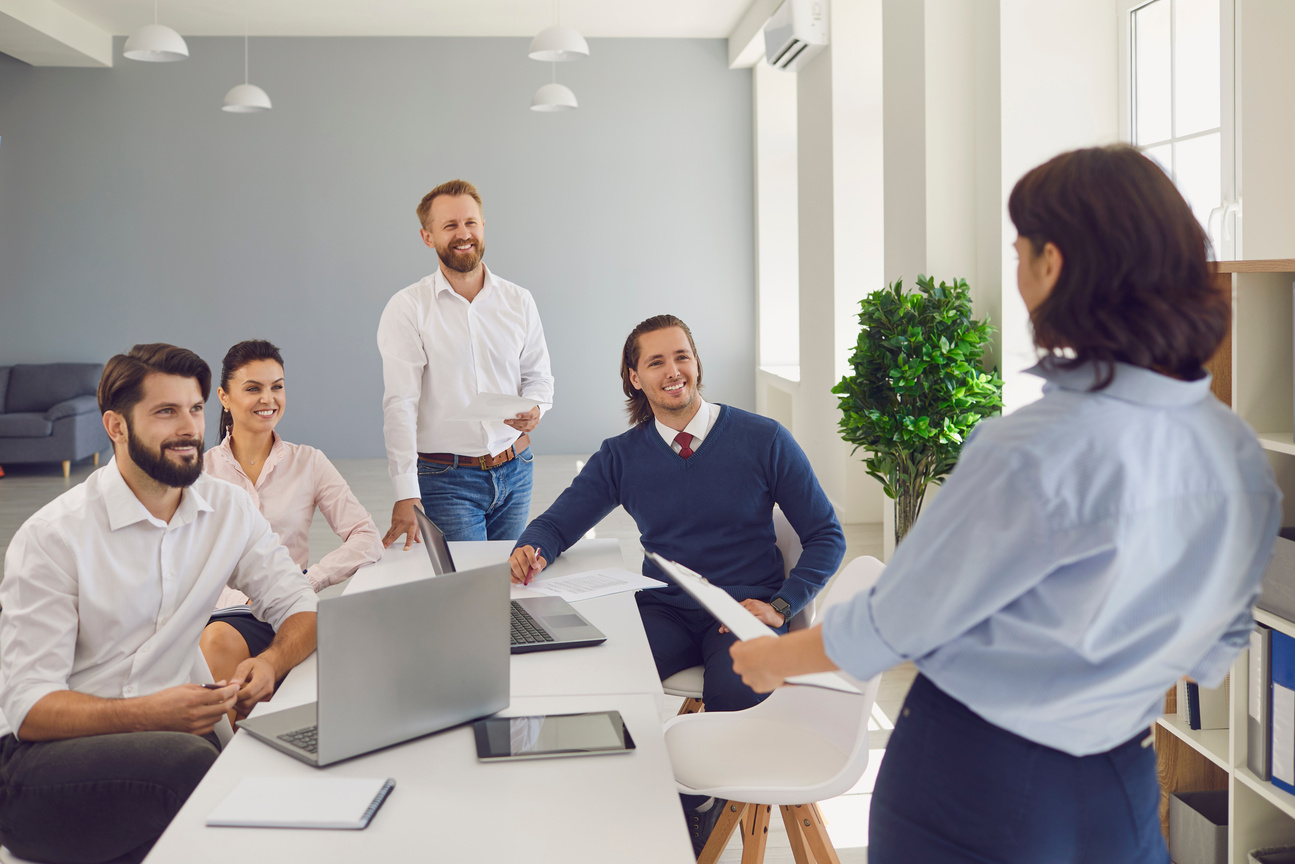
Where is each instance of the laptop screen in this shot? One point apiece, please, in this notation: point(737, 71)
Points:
point(434, 539)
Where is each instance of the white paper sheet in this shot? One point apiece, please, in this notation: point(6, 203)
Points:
point(587, 585)
point(494, 406)
point(735, 617)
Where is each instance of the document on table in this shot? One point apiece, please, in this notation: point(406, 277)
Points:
point(587, 585)
point(735, 617)
point(494, 406)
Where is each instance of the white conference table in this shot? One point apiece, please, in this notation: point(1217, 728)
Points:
point(447, 806)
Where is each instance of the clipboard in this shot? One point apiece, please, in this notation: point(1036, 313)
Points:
point(736, 618)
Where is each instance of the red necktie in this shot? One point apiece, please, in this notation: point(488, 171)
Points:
point(683, 439)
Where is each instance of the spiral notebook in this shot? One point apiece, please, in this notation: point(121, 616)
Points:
point(302, 802)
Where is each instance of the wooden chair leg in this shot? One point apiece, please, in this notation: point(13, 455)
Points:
point(67, 468)
point(692, 706)
point(755, 833)
point(795, 836)
point(96, 460)
point(820, 844)
point(724, 829)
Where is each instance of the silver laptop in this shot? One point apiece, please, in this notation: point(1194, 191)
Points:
point(399, 662)
point(537, 623)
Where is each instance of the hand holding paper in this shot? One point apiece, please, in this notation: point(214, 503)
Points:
point(497, 407)
point(744, 625)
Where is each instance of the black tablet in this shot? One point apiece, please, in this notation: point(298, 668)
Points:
point(547, 736)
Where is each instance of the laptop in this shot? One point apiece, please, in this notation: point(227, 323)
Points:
point(537, 623)
point(397, 663)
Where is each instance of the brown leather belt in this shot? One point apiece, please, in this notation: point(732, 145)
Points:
point(485, 463)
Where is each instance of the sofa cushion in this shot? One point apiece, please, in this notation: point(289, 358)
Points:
point(25, 424)
point(4, 384)
point(38, 386)
point(72, 407)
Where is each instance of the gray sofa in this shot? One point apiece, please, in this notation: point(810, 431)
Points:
point(49, 413)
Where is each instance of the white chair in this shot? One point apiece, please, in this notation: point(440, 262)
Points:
point(688, 682)
point(802, 744)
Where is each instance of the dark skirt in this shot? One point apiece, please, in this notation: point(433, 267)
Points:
point(955, 788)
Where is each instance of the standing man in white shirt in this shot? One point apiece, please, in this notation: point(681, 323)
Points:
point(106, 726)
point(459, 332)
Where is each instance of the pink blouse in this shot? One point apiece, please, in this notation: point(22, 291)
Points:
point(294, 481)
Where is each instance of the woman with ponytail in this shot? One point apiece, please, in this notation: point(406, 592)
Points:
point(287, 482)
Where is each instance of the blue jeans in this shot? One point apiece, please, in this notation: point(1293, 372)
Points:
point(955, 788)
point(467, 503)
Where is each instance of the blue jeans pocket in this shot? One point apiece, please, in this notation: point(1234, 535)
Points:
point(432, 469)
point(526, 456)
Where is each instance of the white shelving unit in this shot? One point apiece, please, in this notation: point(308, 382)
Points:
point(1254, 372)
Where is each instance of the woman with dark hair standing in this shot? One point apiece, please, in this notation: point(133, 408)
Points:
point(1089, 550)
point(287, 482)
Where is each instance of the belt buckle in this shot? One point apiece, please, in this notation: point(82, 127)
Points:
point(483, 462)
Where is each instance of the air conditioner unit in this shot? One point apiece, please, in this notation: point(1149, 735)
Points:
point(795, 33)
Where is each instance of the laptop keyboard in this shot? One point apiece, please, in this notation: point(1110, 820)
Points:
point(303, 739)
point(524, 629)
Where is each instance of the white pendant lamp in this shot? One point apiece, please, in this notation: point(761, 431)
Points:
point(155, 43)
point(246, 98)
point(558, 44)
point(553, 96)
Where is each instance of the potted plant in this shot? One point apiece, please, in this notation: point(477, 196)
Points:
point(918, 388)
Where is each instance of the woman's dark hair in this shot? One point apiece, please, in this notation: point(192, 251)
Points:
point(122, 384)
point(1136, 284)
point(236, 358)
point(636, 403)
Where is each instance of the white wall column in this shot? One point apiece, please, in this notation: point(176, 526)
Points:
point(842, 252)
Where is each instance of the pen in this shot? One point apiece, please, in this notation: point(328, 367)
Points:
point(531, 570)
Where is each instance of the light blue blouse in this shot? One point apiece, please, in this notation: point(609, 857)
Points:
point(1087, 551)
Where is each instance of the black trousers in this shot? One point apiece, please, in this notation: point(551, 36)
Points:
point(105, 798)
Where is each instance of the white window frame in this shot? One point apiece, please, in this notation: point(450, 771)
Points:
point(1225, 221)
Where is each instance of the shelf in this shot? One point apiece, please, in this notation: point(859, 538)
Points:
point(1276, 265)
point(1278, 442)
point(1276, 622)
point(1210, 743)
point(1283, 801)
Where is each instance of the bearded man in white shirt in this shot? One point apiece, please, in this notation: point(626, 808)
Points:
point(108, 714)
point(455, 334)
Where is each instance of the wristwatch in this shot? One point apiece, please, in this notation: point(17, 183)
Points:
point(782, 607)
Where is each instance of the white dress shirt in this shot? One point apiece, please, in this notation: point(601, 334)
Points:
point(101, 597)
point(698, 427)
point(438, 352)
point(295, 480)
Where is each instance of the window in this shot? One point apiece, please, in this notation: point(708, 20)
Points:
point(1180, 110)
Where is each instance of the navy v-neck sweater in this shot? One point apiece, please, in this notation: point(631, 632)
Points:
point(712, 512)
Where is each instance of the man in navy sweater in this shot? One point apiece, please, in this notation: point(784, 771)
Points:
point(700, 481)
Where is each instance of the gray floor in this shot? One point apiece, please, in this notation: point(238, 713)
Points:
point(26, 488)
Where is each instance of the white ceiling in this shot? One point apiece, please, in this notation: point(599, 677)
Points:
point(691, 19)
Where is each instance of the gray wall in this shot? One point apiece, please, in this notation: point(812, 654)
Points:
point(133, 209)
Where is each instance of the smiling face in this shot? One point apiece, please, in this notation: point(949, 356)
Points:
point(163, 432)
point(256, 397)
point(667, 375)
point(456, 230)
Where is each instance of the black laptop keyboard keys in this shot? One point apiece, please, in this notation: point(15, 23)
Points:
point(303, 739)
point(524, 629)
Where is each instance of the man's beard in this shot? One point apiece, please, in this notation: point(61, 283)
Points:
point(462, 262)
point(163, 470)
